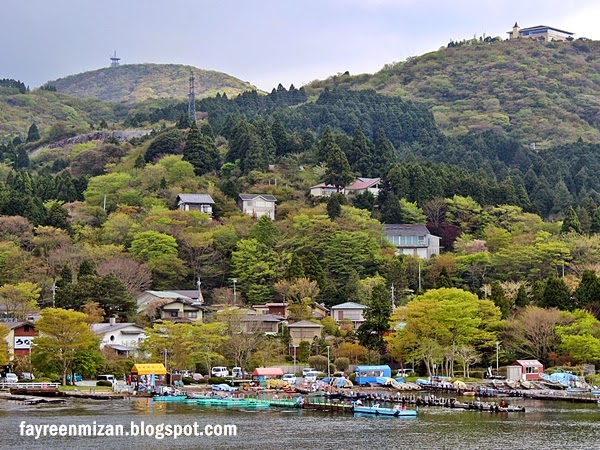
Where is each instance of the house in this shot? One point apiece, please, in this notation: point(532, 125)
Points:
point(123, 338)
point(170, 305)
point(260, 323)
point(364, 184)
point(359, 186)
point(351, 311)
point(322, 190)
point(20, 338)
point(540, 33)
point(320, 311)
point(525, 369)
point(412, 239)
point(196, 202)
point(258, 205)
point(277, 309)
point(304, 330)
point(179, 310)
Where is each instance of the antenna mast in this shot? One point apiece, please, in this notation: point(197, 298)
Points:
point(114, 61)
point(192, 100)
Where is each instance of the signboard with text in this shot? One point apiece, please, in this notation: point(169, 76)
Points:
point(23, 342)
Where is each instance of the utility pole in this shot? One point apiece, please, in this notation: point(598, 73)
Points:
point(192, 100)
point(328, 368)
point(419, 277)
point(53, 290)
point(497, 352)
point(200, 297)
point(234, 280)
point(393, 298)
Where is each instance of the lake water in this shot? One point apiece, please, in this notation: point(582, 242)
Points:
point(545, 425)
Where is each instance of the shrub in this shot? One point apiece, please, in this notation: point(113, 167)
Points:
point(352, 377)
point(187, 380)
point(342, 364)
point(319, 362)
point(217, 380)
point(104, 383)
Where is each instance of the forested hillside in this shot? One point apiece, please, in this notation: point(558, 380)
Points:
point(547, 93)
point(132, 83)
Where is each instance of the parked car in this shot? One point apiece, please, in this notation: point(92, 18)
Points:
point(311, 377)
point(77, 378)
point(9, 378)
point(290, 378)
point(110, 378)
point(306, 370)
point(237, 372)
point(219, 371)
point(27, 376)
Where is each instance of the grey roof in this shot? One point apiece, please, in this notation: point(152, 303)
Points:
point(349, 305)
point(267, 197)
point(406, 230)
point(191, 293)
point(101, 328)
point(262, 318)
point(13, 325)
point(169, 294)
point(201, 199)
point(305, 324)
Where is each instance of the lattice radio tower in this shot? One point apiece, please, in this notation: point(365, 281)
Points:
point(192, 100)
point(114, 61)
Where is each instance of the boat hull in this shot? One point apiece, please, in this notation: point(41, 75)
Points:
point(386, 411)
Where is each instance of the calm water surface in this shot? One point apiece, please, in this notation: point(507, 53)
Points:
point(553, 425)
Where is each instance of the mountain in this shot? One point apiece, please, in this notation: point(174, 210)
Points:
point(543, 92)
point(133, 83)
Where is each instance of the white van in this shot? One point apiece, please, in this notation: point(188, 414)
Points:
point(109, 378)
point(311, 377)
point(219, 371)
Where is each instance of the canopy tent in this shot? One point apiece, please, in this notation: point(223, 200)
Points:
point(268, 372)
point(147, 369)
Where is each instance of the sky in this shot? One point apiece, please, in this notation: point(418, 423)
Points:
point(263, 42)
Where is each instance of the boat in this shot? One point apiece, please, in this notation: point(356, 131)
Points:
point(379, 411)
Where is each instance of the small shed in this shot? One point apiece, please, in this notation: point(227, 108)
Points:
point(148, 375)
point(530, 369)
point(262, 374)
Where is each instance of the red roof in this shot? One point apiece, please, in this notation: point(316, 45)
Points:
point(268, 371)
point(363, 183)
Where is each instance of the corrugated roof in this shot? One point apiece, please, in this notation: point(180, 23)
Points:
point(529, 363)
point(262, 318)
point(168, 294)
point(349, 305)
point(202, 199)
point(267, 197)
point(417, 229)
point(363, 183)
point(537, 27)
point(100, 328)
point(305, 324)
point(268, 371)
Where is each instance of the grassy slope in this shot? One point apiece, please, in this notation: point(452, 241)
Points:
point(536, 92)
point(133, 83)
point(19, 111)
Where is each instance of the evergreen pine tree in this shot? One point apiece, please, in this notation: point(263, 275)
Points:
point(313, 269)
point(334, 209)
point(444, 280)
point(85, 269)
point(571, 222)
point(337, 172)
point(384, 155)
point(556, 294)
point(295, 269)
point(500, 300)
point(595, 226)
point(33, 134)
point(522, 299)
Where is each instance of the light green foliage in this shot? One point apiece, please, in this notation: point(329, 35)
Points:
point(177, 170)
point(20, 299)
point(62, 335)
point(581, 337)
point(4, 330)
point(153, 246)
point(348, 251)
point(411, 213)
point(113, 186)
point(441, 319)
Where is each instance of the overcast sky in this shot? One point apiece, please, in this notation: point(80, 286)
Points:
point(263, 42)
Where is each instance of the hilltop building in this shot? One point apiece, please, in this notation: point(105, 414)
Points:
point(413, 239)
point(540, 33)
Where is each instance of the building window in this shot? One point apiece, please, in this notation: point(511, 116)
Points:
point(174, 314)
point(192, 314)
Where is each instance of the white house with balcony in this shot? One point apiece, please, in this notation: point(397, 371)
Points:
point(413, 239)
point(123, 338)
point(351, 311)
point(258, 205)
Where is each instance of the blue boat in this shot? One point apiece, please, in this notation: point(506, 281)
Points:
point(379, 411)
point(170, 398)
